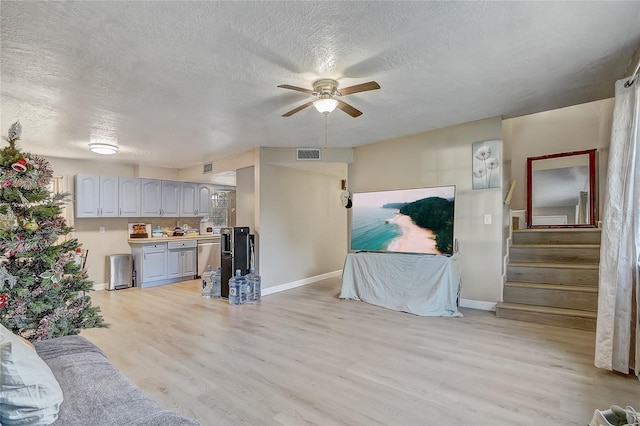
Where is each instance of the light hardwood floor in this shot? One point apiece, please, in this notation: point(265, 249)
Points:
point(306, 357)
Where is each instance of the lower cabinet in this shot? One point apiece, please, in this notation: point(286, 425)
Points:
point(153, 262)
point(182, 259)
point(164, 263)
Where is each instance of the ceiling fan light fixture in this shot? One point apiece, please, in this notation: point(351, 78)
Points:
point(103, 148)
point(325, 106)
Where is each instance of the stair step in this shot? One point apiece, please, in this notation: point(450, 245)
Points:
point(553, 295)
point(585, 266)
point(562, 317)
point(547, 286)
point(558, 245)
point(557, 253)
point(553, 273)
point(556, 236)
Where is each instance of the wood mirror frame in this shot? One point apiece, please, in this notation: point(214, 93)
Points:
point(590, 214)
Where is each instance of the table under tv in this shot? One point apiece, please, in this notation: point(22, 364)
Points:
point(421, 284)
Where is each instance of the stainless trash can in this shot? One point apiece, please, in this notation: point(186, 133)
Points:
point(119, 271)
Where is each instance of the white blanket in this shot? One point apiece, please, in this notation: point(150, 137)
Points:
point(424, 285)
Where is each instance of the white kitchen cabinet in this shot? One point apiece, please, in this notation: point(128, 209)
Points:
point(190, 262)
point(171, 198)
point(195, 200)
point(154, 263)
point(181, 261)
point(87, 197)
point(151, 202)
point(160, 198)
point(188, 200)
point(129, 197)
point(203, 207)
point(108, 196)
point(96, 196)
point(111, 196)
point(174, 263)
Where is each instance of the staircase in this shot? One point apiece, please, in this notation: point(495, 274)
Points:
point(552, 277)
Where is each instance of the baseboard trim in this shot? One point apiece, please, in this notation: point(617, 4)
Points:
point(477, 304)
point(97, 287)
point(288, 286)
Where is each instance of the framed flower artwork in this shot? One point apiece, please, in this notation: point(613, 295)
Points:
point(486, 164)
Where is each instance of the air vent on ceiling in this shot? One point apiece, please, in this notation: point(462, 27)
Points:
point(207, 168)
point(308, 154)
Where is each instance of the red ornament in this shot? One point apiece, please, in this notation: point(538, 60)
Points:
point(20, 165)
point(3, 300)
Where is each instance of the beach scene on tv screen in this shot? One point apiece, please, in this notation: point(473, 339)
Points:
point(408, 220)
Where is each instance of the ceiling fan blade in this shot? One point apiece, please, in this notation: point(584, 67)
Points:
point(299, 89)
point(300, 108)
point(349, 109)
point(371, 85)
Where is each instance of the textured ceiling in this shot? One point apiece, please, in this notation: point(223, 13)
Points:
point(180, 83)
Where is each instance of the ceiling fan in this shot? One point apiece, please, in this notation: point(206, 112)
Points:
point(327, 90)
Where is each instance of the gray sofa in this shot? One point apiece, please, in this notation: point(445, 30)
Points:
point(95, 392)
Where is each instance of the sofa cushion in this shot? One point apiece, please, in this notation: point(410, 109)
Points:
point(29, 392)
point(96, 392)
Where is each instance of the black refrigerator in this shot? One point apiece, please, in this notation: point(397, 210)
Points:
point(235, 254)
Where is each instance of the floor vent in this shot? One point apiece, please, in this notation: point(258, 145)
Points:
point(207, 168)
point(308, 154)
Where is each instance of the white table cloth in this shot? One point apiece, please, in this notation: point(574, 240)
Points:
point(424, 285)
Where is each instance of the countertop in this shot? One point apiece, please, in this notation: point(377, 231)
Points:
point(165, 239)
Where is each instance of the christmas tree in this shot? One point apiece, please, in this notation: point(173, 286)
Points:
point(42, 290)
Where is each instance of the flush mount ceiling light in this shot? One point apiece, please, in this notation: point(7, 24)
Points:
point(103, 148)
point(325, 106)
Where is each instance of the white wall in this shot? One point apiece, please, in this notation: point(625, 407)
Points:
point(219, 165)
point(302, 224)
point(245, 198)
point(70, 167)
point(152, 172)
point(444, 157)
point(574, 128)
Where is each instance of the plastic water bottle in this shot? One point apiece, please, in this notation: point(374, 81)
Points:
point(243, 288)
point(236, 286)
point(255, 281)
point(207, 282)
point(248, 289)
point(217, 282)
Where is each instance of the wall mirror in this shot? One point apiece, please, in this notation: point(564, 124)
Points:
point(561, 190)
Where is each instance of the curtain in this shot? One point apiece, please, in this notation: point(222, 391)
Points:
point(617, 330)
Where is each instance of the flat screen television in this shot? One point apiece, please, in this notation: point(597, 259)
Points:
point(418, 220)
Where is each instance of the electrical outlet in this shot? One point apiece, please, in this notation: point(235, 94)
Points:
point(102, 229)
point(487, 219)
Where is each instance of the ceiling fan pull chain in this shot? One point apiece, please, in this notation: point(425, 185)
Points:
point(326, 120)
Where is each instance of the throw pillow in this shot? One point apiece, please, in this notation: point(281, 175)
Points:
point(29, 392)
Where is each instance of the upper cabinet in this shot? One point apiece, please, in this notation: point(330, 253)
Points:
point(204, 200)
point(160, 198)
point(188, 199)
point(129, 197)
point(110, 196)
point(195, 200)
point(96, 196)
point(171, 198)
point(151, 190)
